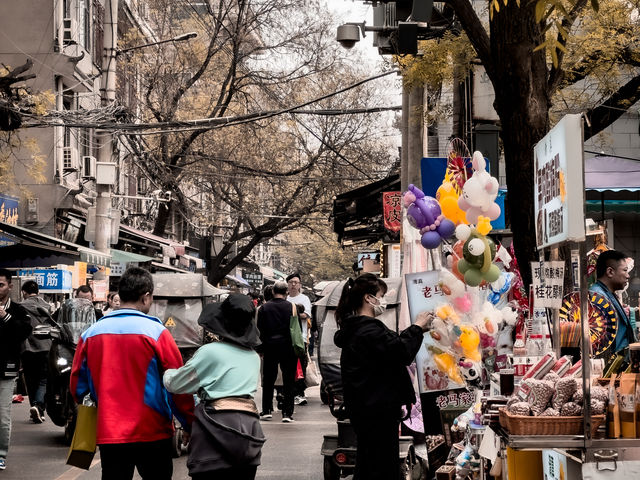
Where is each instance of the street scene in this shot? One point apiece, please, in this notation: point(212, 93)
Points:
point(319, 239)
point(291, 452)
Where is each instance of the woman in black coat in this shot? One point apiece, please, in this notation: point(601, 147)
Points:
point(375, 379)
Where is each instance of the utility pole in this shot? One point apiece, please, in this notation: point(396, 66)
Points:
point(105, 165)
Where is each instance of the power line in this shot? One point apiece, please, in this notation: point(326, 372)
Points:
point(220, 122)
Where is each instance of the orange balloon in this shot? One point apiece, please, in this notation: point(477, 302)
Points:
point(448, 199)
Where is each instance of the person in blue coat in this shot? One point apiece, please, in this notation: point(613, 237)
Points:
point(612, 272)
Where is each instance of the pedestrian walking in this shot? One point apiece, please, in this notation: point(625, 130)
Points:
point(375, 379)
point(226, 437)
point(295, 295)
point(113, 302)
point(35, 354)
point(15, 327)
point(85, 291)
point(277, 351)
point(120, 361)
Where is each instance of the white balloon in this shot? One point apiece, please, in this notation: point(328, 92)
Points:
point(476, 247)
point(462, 232)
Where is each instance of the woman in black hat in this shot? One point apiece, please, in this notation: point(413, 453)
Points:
point(226, 437)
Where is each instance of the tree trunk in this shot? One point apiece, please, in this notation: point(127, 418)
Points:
point(519, 76)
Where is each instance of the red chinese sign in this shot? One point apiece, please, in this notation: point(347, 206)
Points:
point(392, 208)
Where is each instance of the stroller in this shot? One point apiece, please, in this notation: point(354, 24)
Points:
point(339, 450)
point(178, 300)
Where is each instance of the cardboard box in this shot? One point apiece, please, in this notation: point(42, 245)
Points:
point(446, 472)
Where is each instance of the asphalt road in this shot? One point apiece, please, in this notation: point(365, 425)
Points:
point(292, 451)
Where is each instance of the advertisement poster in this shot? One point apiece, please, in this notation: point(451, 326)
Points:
point(559, 184)
point(424, 295)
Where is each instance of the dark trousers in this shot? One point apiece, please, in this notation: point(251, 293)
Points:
point(378, 454)
point(282, 356)
point(152, 459)
point(34, 367)
point(238, 473)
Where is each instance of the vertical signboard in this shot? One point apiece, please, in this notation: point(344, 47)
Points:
point(559, 184)
point(392, 209)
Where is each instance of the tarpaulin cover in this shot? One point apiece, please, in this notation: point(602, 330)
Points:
point(180, 317)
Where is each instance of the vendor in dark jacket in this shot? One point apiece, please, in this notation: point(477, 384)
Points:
point(15, 327)
point(375, 379)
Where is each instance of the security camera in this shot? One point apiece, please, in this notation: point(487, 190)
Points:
point(348, 34)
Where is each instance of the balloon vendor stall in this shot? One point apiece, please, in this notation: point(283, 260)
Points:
point(524, 385)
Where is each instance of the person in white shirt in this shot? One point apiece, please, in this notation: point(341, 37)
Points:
point(296, 296)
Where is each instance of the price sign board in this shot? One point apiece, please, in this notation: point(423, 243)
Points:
point(548, 279)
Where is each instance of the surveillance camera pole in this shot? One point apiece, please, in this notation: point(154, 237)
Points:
point(105, 139)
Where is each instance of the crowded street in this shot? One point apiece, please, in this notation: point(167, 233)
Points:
point(319, 240)
point(292, 451)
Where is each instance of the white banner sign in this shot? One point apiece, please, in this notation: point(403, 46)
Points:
point(548, 279)
point(559, 184)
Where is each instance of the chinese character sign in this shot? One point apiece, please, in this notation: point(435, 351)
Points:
point(50, 281)
point(548, 280)
point(559, 184)
point(392, 209)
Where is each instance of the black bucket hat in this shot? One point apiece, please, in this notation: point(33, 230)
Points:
point(233, 320)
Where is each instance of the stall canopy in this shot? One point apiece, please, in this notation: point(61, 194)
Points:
point(612, 185)
point(238, 280)
point(120, 256)
point(357, 214)
point(28, 249)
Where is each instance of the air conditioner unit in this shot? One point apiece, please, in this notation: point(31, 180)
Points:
point(69, 159)
point(89, 166)
point(69, 31)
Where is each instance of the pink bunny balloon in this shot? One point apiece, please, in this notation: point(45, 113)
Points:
point(479, 192)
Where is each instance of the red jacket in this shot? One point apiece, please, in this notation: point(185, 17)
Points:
point(120, 360)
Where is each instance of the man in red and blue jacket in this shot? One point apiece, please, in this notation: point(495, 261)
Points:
point(120, 361)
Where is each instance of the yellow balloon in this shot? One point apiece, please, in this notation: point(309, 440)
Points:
point(448, 199)
point(446, 363)
point(469, 341)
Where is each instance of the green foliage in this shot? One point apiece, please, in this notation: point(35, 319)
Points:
point(437, 61)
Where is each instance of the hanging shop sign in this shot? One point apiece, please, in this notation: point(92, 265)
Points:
point(8, 214)
point(254, 278)
point(49, 281)
point(547, 283)
point(392, 209)
point(559, 184)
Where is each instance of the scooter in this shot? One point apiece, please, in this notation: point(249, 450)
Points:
point(73, 318)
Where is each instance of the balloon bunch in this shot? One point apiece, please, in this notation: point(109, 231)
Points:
point(454, 340)
point(479, 192)
point(425, 214)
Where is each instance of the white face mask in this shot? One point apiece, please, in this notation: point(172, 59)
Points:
point(379, 308)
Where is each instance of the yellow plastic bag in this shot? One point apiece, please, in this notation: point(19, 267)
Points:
point(83, 445)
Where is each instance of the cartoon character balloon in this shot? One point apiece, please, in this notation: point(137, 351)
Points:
point(425, 214)
point(479, 192)
point(478, 254)
point(448, 199)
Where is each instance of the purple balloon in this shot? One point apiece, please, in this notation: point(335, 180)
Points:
point(431, 239)
point(430, 208)
point(416, 217)
point(446, 228)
